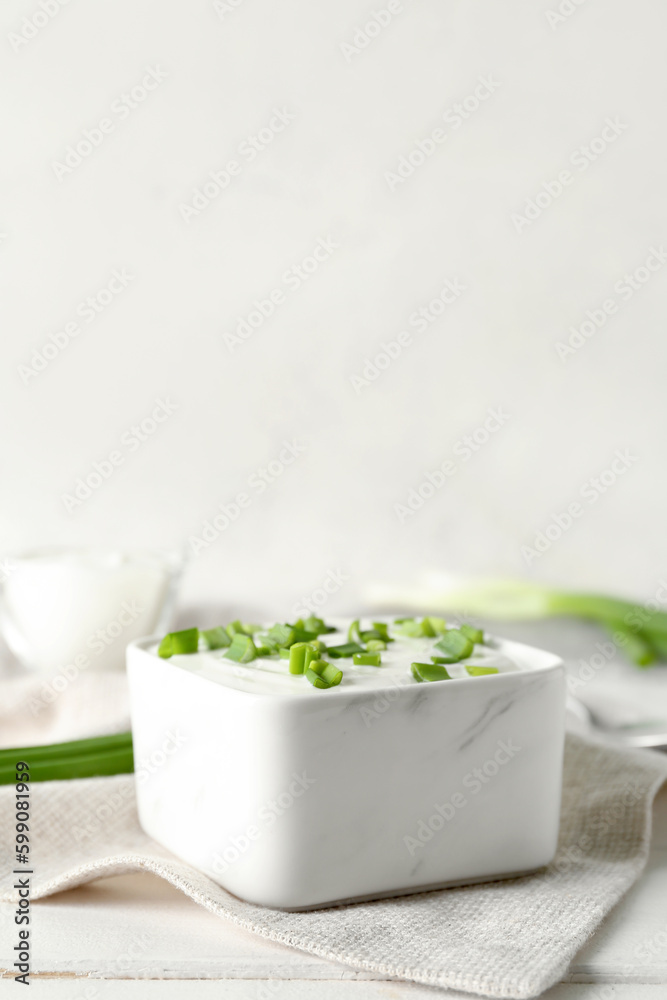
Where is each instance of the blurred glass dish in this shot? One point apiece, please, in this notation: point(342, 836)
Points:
point(61, 606)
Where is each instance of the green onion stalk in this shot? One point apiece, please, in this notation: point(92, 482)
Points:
point(92, 758)
point(639, 630)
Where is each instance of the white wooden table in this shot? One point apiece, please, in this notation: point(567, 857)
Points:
point(137, 936)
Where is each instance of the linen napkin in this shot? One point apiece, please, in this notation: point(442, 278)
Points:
point(511, 938)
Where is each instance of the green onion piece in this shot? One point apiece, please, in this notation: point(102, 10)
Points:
point(367, 659)
point(346, 649)
point(417, 630)
point(439, 625)
point(242, 649)
point(283, 653)
point(383, 629)
point(376, 645)
point(301, 654)
point(317, 625)
point(164, 649)
point(235, 628)
point(455, 643)
point(282, 635)
point(315, 679)
point(177, 643)
point(264, 650)
point(215, 638)
point(402, 621)
point(250, 629)
point(353, 633)
point(429, 672)
point(481, 671)
point(318, 645)
point(327, 672)
point(302, 635)
point(474, 634)
point(445, 659)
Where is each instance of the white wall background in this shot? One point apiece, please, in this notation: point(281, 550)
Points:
point(324, 175)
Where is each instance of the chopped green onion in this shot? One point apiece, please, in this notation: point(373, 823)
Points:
point(376, 644)
point(318, 645)
point(250, 629)
point(445, 659)
point(302, 635)
point(264, 650)
point(317, 625)
point(383, 629)
point(242, 649)
point(379, 632)
point(353, 633)
point(301, 654)
point(474, 634)
point(323, 675)
point(429, 672)
point(315, 679)
point(439, 625)
point(177, 643)
point(346, 649)
point(235, 628)
point(283, 653)
point(455, 643)
point(367, 659)
point(215, 638)
point(282, 635)
point(481, 671)
point(417, 630)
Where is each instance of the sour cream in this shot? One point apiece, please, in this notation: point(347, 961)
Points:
point(270, 675)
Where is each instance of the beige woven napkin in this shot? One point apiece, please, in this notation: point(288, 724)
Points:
point(512, 938)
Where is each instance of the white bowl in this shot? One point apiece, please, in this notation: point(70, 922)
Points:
point(79, 607)
point(349, 794)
